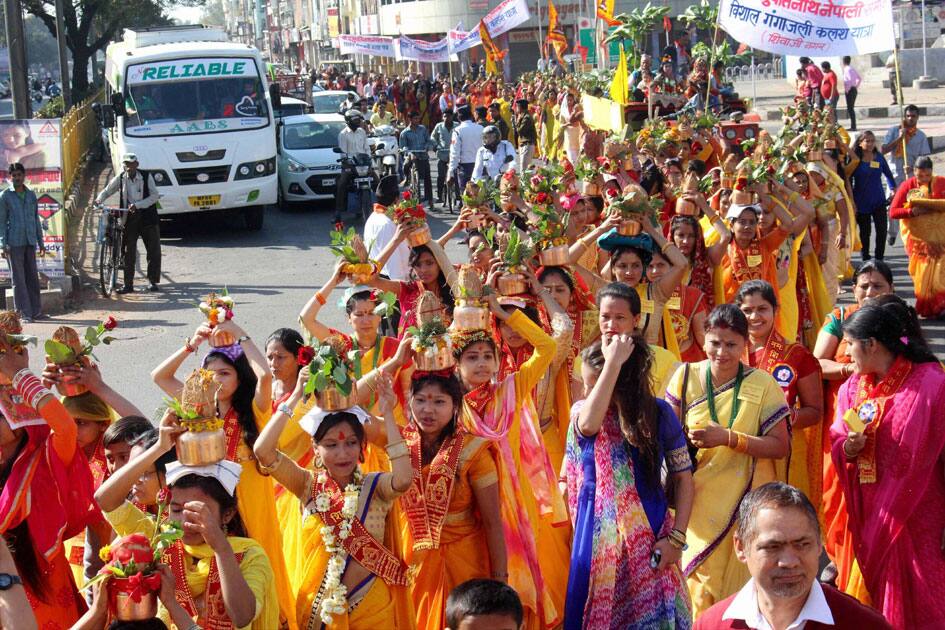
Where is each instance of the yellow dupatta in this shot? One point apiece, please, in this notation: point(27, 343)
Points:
point(666, 320)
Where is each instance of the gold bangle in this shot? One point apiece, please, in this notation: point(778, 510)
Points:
point(728, 442)
point(742, 445)
point(397, 449)
point(271, 468)
point(665, 246)
point(370, 379)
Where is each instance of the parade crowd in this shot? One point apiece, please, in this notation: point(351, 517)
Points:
point(634, 403)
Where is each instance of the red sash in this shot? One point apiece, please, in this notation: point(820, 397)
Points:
point(98, 465)
point(359, 544)
point(742, 271)
point(214, 615)
point(234, 435)
point(480, 397)
point(870, 404)
point(427, 501)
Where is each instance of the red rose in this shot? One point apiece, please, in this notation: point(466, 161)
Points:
point(164, 495)
point(541, 197)
point(135, 547)
point(612, 193)
point(406, 195)
point(228, 314)
point(339, 226)
point(110, 323)
point(305, 355)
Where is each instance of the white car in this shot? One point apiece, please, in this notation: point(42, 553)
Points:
point(329, 101)
point(291, 107)
point(307, 162)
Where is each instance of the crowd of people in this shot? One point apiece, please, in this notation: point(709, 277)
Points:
point(635, 403)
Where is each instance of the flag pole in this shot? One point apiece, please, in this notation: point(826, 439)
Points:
point(541, 48)
point(715, 35)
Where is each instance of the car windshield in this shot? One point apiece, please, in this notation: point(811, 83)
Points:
point(187, 96)
point(328, 103)
point(290, 109)
point(312, 135)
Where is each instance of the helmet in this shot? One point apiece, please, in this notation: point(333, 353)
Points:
point(353, 115)
point(491, 135)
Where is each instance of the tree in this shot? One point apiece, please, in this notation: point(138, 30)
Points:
point(634, 26)
point(213, 14)
point(702, 16)
point(91, 24)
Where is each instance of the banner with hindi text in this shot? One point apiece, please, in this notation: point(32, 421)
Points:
point(506, 16)
point(367, 45)
point(420, 50)
point(810, 28)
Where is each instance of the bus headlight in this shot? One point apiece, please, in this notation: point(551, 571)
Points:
point(261, 168)
point(161, 178)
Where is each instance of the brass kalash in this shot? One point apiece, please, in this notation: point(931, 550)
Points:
point(433, 349)
point(204, 442)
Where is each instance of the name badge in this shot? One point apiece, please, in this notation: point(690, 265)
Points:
point(646, 307)
point(853, 421)
point(754, 261)
point(751, 393)
point(674, 303)
point(874, 164)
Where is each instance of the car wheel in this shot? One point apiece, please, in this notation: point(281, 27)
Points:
point(254, 216)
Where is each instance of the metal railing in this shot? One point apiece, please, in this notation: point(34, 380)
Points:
point(767, 70)
point(80, 132)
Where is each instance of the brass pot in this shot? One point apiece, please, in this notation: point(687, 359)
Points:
point(629, 227)
point(420, 237)
point(512, 284)
point(589, 189)
point(628, 164)
point(125, 608)
point(686, 208)
point(437, 357)
point(474, 222)
point(728, 181)
point(221, 338)
point(71, 388)
point(815, 155)
point(555, 256)
point(330, 399)
point(201, 448)
point(467, 316)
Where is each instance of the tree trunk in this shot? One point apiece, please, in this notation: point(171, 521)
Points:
point(80, 71)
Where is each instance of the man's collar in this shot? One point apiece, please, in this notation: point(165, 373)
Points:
point(745, 607)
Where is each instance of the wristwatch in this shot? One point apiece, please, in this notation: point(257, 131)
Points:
point(242, 339)
point(8, 581)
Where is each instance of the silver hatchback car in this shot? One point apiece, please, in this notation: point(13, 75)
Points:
point(307, 163)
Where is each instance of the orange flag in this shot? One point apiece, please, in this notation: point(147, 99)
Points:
point(493, 54)
point(605, 11)
point(556, 37)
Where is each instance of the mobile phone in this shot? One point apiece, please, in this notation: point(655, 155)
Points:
point(655, 558)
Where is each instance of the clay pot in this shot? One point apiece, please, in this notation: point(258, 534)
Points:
point(221, 338)
point(470, 316)
point(474, 222)
point(330, 399)
point(71, 388)
point(554, 256)
point(815, 155)
point(512, 284)
point(125, 608)
point(629, 227)
point(201, 448)
point(589, 189)
point(420, 237)
point(438, 357)
point(686, 208)
point(728, 181)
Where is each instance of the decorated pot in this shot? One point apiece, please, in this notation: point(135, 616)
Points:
point(67, 386)
point(435, 358)
point(420, 237)
point(830, 144)
point(589, 189)
point(815, 155)
point(330, 399)
point(474, 222)
point(728, 181)
point(470, 316)
point(628, 164)
point(201, 448)
point(124, 607)
point(221, 338)
point(512, 284)
point(555, 256)
point(686, 208)
point(629, 227)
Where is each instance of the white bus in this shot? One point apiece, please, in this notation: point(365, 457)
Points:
point(196, 111)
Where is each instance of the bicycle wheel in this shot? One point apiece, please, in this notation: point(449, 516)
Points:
point(118, 256)
point(106, 267)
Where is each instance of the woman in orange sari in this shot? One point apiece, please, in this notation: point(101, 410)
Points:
point(798, 374)
point(919, 202)
point(873, 279)
point(686, 233)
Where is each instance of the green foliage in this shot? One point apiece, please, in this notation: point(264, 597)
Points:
point(386, 304)
point(61, 354)
point(427, 334)
point(634, 26)
point(53, 108)
point(723, 52)
point(517, 250)
point(341, 245)
point(330, 368)
point(702, 15)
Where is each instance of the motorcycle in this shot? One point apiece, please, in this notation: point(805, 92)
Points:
point(53, 90)
point(384, 148)
point(362, 183)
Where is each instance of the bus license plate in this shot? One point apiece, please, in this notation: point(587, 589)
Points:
point(203, 201)
point(363, 180)
point(328, 181)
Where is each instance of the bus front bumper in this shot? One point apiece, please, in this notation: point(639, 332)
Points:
point(241, 194)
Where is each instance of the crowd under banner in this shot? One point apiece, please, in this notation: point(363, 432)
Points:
point(420, 50)
point(810, 27)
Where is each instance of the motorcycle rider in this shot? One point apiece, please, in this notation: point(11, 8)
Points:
point(494, 157)
point(353, 142)
point(442, 134)
point(416, 140)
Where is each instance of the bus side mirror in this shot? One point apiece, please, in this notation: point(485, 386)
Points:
point(104, 115)
point(275, 96)
point(118, 104)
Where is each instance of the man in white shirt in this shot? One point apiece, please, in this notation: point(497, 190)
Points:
point(353, 141)
point(379, 230)
point(464, 145)
point(778, 536)
point(494, 157)
point(139, 194)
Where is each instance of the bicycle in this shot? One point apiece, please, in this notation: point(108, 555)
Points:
point(111, 255)
point(453, 201)
point(411, 160)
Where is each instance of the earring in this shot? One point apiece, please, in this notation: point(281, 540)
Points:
point(319, 463)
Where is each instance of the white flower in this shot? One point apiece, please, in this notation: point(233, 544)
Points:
point(322, 502)
point(350, 506)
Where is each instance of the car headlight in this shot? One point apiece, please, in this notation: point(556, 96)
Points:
point(260, 168)
point(295, 167)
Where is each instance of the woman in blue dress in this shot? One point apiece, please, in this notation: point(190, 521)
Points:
point(866, 172)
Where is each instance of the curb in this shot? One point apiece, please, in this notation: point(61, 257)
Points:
point(864, 113)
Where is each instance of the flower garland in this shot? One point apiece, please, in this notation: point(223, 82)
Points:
point(335, 601)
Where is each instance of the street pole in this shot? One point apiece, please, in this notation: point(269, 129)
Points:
point(63, 59)
point(19, 82)
point(925, 67)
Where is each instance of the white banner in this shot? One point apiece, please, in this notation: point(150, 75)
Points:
point(503, 18)
point(419, 50)
point(809, 27)
point(366, 45)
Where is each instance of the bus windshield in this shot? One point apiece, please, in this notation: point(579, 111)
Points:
point(191, 96)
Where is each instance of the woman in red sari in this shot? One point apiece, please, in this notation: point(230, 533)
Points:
point(888, 446)
point(798, 374)
point(873, 279)
point(687, 233)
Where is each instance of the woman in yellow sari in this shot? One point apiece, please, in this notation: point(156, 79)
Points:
point(243, 402)
point(533, 510)
point(735, 416)
point(350, 579)
point(218, 577)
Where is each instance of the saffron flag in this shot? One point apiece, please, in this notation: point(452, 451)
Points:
point(619, 86)
point(492, 51)
point(556, 37)
point(605, 11)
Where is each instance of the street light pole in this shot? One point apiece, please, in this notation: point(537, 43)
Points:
point(19, 82)
point(63, 59)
